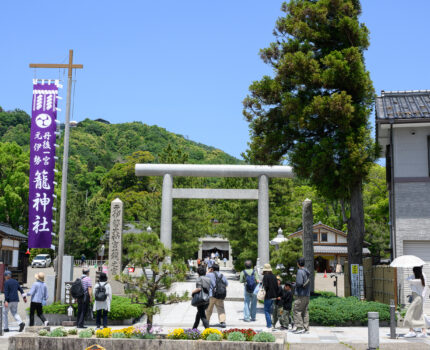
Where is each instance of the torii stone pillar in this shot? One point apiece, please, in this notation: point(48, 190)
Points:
point(263, 172)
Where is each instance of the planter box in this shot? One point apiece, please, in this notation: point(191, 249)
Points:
point(30, 342)
point(57, 319)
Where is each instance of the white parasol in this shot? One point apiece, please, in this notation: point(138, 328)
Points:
point(407, 261)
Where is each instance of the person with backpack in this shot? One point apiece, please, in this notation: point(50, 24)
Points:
point(202, 282)
point(302, 293)
point(103, 298)
point(249, 278)
point(39, 296)
point(217, 294)
point(83, 296)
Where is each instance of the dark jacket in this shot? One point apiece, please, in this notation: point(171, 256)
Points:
point(287, 299)
point(11, 288)
point(280, 292)
point(270, 284)
point(303, 274)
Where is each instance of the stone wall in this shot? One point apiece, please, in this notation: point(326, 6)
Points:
point(30, 342)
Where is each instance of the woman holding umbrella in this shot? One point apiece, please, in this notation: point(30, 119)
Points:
point(414, 317)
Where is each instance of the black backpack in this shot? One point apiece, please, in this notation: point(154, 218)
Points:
point(77, 289)
point(250, 282)
point(100, 294)
point(220, 290)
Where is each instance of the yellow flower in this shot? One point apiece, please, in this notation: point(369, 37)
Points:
point(127, 331)
point(104, 333)
point(177, 333)
point(208, 331)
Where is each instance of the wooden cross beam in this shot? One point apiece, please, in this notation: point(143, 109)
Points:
point(70, 66)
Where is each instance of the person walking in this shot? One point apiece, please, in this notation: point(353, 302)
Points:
point(84, 302)
point(83, 257)
point(11, 300)
point(303, 293)
point(414, 317)
point(249, 278)
point(202, 282)
point(103, 299)
point(217, 294)
point(39, 296)
point(270, 285)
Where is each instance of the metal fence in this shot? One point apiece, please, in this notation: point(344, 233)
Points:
point(90, 262)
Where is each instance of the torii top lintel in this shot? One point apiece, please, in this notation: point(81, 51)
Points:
point(213, 170)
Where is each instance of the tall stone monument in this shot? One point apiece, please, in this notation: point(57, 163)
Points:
point(308, 239)
point(115, 245)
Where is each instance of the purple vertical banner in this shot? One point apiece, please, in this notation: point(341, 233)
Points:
point(42, 164)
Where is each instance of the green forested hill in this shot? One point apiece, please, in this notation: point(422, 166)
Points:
point(101, 168)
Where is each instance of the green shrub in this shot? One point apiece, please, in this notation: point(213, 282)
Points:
point(58, 332)
point(121, 309)
point(85, 333)
point(43, 333)
point(333, 311)
point(236, 336)
point(214, 337)
point(118, 335)
point(72, 331)
point(264, 337)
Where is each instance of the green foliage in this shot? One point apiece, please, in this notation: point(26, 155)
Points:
point(121, 309)
point(43, 332)
point(315, 110)
point(264, 337)
point(334, 311)
point(58, 332)
point(214, 337)
point(285, 257)
point(145, 250)
point(86, 333)
point(72, 331)
point(118, 335)
point(236, 336)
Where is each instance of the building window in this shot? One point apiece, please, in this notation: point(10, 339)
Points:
point(315, 237)
point(6, 257)
point(324, 237)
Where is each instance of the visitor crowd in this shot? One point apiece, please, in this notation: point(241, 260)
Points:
point(211, 290)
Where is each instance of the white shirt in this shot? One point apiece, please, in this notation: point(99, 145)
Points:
point(417, 286)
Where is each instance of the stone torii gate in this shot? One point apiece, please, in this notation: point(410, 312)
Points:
point(263, 172)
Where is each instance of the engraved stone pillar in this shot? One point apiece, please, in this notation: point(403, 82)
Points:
point(115, 245)
point(308, 239)
point(263, 219)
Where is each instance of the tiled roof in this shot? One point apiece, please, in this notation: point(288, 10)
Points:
point(12, 233)
point(403, 105)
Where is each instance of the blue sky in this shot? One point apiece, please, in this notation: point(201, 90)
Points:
point(183, 65)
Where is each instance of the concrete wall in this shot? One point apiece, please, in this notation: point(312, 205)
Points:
point(410, 152)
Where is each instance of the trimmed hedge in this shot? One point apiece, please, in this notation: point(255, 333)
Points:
point(334, 311)
point(121, 308)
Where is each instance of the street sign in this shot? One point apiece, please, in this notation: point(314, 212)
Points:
point(355, 280)
point(67, 295)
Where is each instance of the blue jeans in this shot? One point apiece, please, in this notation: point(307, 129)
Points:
point(249, 306)
point(268, 312)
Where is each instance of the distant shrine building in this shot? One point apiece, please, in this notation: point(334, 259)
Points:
point(403, 131)
point(213, 245)
point(330, 247)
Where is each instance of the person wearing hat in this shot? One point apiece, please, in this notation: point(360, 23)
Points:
point(39, 296)
point(11, 300)
point(102, 306)
point(270, 285)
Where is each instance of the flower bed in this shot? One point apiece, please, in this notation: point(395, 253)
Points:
point(212, 334)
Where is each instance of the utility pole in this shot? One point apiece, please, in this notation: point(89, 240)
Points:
point(70, 66)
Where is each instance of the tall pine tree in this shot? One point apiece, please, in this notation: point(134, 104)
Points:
point(315, 109)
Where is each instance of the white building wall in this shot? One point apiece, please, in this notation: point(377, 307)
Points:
point(341, 239)
point(410, 151)
point(15, 258)
point(7, 242)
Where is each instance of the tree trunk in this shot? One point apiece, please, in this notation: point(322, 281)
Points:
point(356, 226)
point(308, 239)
